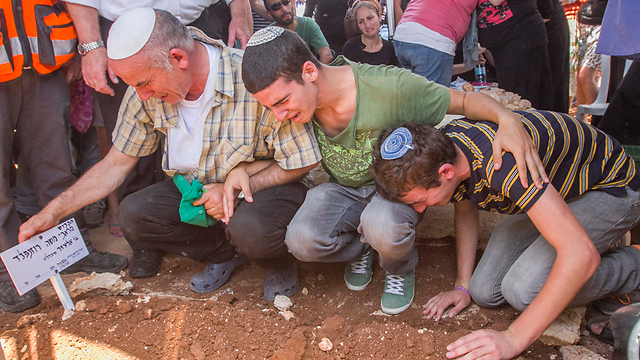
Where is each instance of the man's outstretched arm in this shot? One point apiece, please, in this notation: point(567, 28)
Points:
point(102, 179)
point(576, 261)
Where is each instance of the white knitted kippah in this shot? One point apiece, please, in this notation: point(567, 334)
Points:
point(130, 32)
point(265, 35)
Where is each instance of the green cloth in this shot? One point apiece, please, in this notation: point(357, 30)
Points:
point(310, 32)
point(190, 214)
point(387, 96)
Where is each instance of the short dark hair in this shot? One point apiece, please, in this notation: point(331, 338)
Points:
point(418, 167)
point(282, 57)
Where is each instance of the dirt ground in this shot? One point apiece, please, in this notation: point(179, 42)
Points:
point(164, 319)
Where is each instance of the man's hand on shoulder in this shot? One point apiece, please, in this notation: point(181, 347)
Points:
point(512, 137)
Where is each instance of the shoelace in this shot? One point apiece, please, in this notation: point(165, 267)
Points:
point(395, 285)
point(360, 266)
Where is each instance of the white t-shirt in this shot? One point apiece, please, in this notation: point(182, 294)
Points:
point(187, 11)
point(414, 33)
point(184, 143)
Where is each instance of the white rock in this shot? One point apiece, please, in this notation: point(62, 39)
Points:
point(282, 302)
point(105, 283)
point(379, 313)
point(143, 299)
point(67, 314)
point(305, 291)
point(325, 344)
point(287, 314)
point(81, 305)
point(566, 329)
point(579, 353)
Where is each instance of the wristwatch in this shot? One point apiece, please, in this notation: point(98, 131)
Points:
point(83, 49)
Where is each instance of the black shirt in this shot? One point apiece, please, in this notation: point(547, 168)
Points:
point(354, 50)
point(499, 24)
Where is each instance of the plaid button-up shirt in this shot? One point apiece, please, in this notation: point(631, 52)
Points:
point(237, 129)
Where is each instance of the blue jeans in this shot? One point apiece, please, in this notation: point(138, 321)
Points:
point(425, 61)
point(336, 222)
point(518, 260)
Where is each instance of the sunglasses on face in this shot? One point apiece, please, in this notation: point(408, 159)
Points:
point(278, 5)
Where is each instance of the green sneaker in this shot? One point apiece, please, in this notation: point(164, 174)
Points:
point(358, 274)
point(398, 292)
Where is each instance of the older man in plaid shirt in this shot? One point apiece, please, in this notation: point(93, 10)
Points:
point(186, 93)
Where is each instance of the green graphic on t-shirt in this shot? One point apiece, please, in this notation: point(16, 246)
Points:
point(348, 167)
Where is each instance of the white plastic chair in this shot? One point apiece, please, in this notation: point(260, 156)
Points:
point(600, 105)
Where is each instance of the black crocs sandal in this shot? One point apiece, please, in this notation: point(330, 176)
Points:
point(215, 275)
point(281, 282)
point(606, 335)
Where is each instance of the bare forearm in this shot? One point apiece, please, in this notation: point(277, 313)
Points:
point(564, 282)
point(274, 175)
point(102, 179)
point(258, 7)
point(576, 261)
point(324, 55)
point(255, 167)
point(241, 11)
point(477, 106)
point(85, 20)
point(397, 11)
point(466, 229)
point(459, 69)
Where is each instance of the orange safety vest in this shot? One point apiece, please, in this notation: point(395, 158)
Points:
point(34, 33)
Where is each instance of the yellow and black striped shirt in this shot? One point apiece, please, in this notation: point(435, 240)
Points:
point(577, 158)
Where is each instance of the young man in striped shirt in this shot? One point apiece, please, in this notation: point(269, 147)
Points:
point(553, 251)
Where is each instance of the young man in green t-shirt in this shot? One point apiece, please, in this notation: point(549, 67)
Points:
point(350, 105)
point(283, 12)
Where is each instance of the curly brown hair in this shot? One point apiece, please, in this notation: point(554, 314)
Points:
point(418, 167)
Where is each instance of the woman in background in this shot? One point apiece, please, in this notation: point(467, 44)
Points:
point(369, 48)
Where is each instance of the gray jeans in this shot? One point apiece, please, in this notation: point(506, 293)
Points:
point(335, 222)
point(518, 260)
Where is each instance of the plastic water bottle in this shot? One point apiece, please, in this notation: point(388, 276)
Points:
point(481, 73)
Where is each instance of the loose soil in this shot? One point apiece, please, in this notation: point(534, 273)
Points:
point(164, 319)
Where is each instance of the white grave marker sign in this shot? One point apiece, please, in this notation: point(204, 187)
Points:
point(34, 261)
